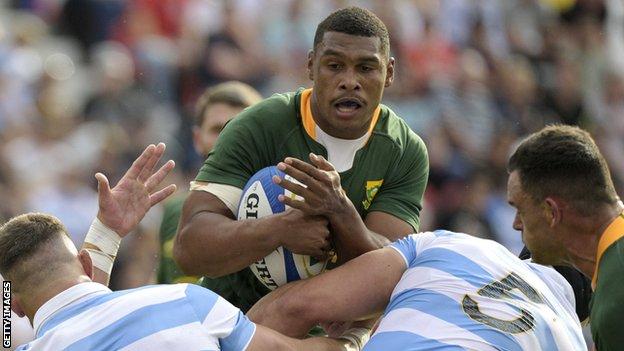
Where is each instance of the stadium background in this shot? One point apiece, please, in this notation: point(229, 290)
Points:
point(86, 84)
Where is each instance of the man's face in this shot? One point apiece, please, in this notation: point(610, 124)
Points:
point(215, 118)
point(350, 73)
point(532, 221)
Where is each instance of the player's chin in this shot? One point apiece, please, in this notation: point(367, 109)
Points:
point(538, 257)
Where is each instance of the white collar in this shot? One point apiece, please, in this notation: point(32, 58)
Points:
point(75, 294)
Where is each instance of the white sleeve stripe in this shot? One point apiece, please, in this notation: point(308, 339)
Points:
point(230, 195)
point(400, 253)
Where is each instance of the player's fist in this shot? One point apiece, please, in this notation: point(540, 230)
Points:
point(304, 234)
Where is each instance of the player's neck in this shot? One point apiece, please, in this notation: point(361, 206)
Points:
point(585, 234)
point(45, 293)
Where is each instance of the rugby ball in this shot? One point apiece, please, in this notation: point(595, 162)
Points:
point(259, 199)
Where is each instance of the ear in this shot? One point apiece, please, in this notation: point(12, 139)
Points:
point(390, 72)
point(16, 306)
point(553, 210)
point(86, 262)
point(310, 64)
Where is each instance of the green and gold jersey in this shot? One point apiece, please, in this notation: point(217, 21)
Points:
point(168, 271)
point(607, 304)
point(389, 173)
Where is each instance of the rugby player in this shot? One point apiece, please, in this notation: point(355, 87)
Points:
point(437, 290)
point(55, 286)
point(214, 108)
point(569, 214)
point(383, 165)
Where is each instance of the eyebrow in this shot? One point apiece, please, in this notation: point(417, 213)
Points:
point(367, 58)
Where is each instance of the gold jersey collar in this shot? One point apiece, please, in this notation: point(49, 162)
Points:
point(614, 231)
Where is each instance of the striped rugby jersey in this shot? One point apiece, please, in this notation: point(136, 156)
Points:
point(460, 292)
point(89, 316)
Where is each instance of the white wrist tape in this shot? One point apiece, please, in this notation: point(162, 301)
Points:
point(107, 243)
point(103, 237)
point(356, 336)
point(101, 260)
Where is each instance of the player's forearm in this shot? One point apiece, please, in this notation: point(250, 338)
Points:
point(213, 245)
point(99, 275)
point(268, 339)
point(283, 313)
point(102, 244)
point(352, 237)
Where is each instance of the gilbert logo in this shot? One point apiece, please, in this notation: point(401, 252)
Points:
point(372, 187)
point(6, 314)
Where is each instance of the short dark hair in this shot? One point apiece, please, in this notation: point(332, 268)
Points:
point(22, 236)
point(234, 93)
point(354, 21)
point(564, 161)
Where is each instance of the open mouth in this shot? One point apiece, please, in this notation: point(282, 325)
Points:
point(347, 106)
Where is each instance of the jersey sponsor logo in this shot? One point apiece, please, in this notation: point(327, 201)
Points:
point(372, 187)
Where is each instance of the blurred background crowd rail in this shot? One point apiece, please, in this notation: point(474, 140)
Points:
point(86, 84)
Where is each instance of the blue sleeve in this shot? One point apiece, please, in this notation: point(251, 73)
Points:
point(241, 335)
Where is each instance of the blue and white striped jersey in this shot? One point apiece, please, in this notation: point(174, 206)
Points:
point(89, 316)
point(460, 292)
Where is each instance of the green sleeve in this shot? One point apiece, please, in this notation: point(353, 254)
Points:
point(248, 142)
point(607, 308)
point(168, 271)
point(172, 210)
point(401, 193)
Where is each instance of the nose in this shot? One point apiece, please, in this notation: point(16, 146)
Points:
point(349, 81)
point(517, 223)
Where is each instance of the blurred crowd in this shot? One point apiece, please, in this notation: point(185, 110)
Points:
point(86, 84)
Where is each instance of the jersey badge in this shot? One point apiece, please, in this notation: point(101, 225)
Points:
point(372, 187)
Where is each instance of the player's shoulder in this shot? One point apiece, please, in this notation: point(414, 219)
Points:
point(469, 246)
point(394, 128)
point(277, 110)
point(201, 299)
point(552, 278)
point(197, 292)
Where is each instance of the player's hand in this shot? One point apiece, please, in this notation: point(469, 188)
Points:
point(124, 206)
point(322, 194)
point(305, 235)
point(335, 329)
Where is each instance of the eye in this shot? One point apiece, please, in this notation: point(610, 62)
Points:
point(366, 68)
point(334, 66)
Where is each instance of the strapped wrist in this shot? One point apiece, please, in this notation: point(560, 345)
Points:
point(106, 244)
point(358, 337)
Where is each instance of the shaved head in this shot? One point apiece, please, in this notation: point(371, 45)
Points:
point(35, 250)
